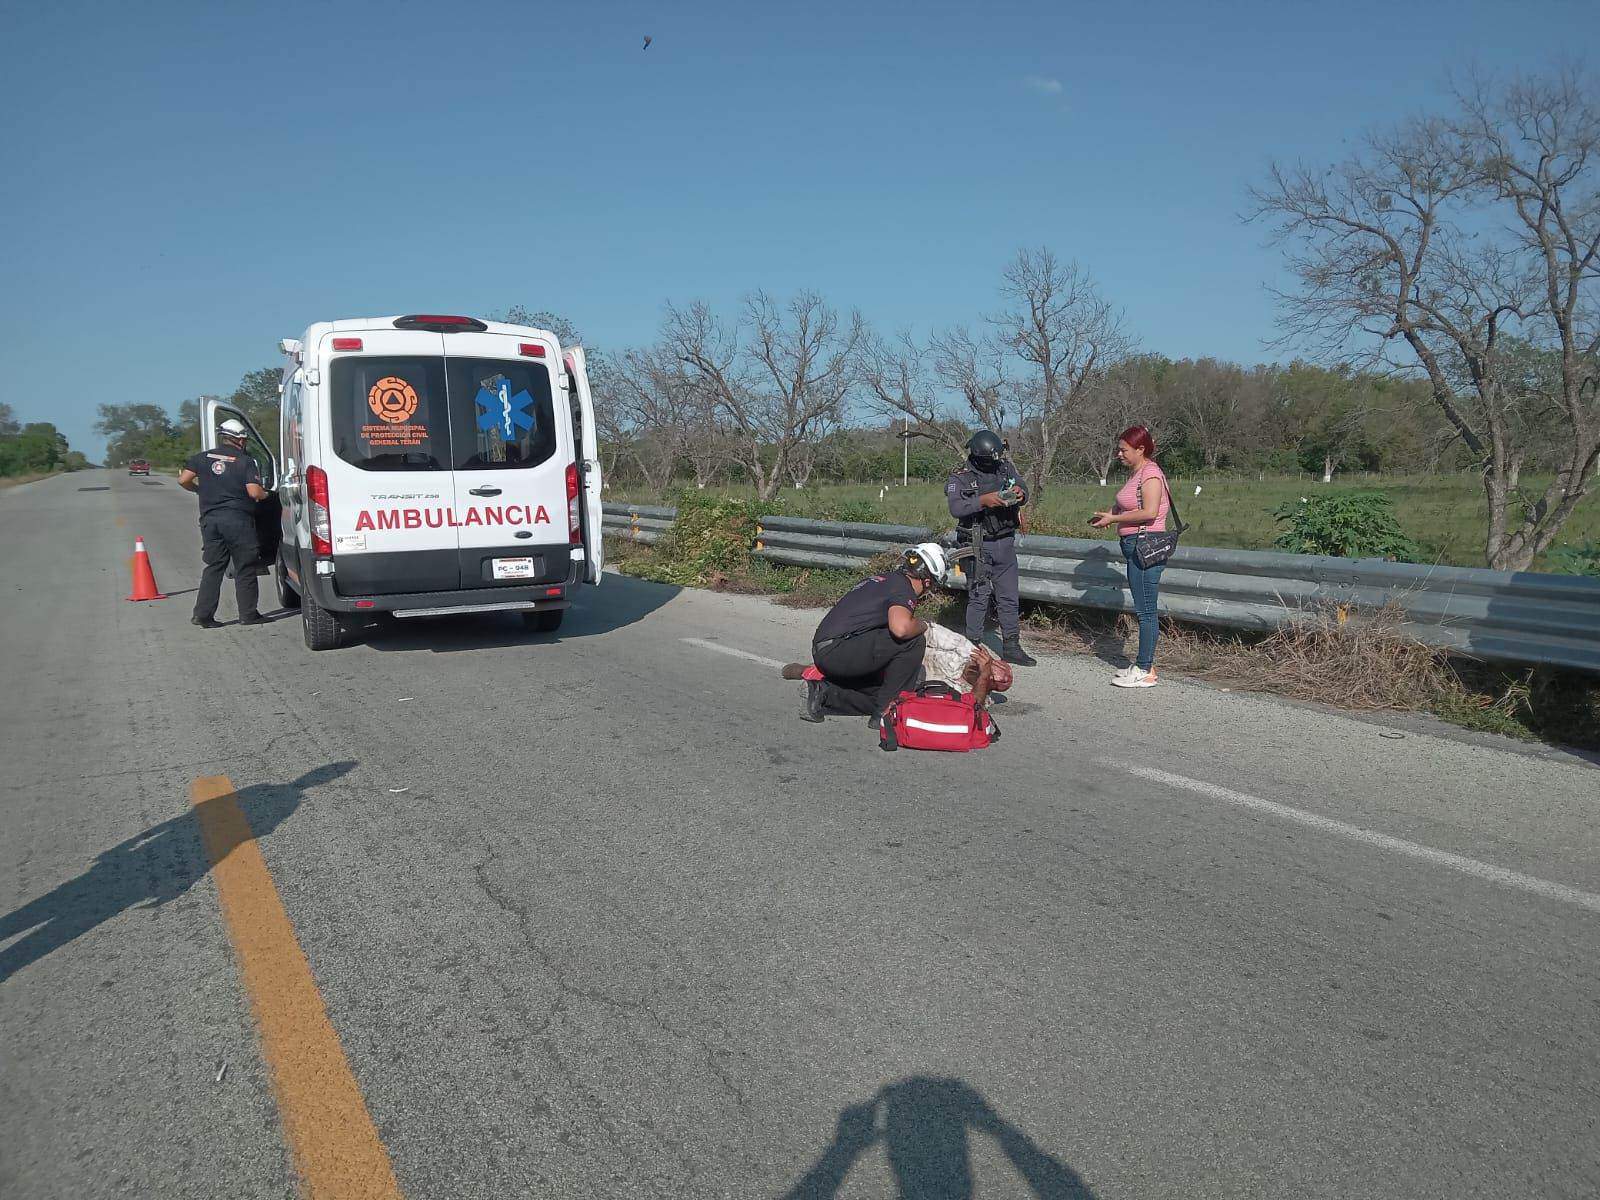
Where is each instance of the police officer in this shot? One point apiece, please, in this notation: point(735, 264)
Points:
point(986, 498)
point(229, 484)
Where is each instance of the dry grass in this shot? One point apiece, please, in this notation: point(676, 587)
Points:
point(1368, 663)
point(7, 481)
point(1358, 663)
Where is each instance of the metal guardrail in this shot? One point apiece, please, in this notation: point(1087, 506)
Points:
point(636, 522)
point(1502, 616)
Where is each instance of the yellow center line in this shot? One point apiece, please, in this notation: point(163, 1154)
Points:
point(335, 1146)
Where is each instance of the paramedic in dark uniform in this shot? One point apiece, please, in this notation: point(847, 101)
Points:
point(229, 484)
point(986, 497)
point(869, 646)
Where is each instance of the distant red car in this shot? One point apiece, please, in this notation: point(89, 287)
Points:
point(139, 466)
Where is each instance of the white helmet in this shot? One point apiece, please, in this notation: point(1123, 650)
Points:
point(926, 561)
point(233, 428)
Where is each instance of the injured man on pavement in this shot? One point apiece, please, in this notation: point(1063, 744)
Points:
point(870, 646)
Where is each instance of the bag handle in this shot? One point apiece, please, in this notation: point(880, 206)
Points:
point(937, 687)
point(1172, 504)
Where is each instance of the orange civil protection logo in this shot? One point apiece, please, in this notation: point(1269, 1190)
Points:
point(392, 399)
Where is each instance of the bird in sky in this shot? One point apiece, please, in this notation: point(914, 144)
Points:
point(647, 40)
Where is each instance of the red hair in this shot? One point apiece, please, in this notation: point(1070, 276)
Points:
point(1139, 438)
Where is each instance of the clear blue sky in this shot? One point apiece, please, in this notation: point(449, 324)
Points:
point(187, 183)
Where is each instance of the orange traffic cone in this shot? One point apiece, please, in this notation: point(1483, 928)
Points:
point(144, 579)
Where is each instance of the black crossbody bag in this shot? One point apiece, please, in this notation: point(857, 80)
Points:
point(1153, 549)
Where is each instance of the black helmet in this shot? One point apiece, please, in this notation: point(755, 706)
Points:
point(984, 450)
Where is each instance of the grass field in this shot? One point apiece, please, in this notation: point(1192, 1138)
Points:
point(1445, 514)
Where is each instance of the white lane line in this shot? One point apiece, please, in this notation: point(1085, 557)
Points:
point(1442, 858)
point(720, 649)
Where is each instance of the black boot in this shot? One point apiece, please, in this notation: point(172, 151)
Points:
point(1012, 652)
point(816, 695)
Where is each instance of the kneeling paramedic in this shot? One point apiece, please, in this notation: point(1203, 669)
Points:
point(869, 647)
point(986, 498)
point(229, 484)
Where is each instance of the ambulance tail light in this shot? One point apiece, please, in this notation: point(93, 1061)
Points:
point(320, 515)
point(344, 344)
point(574, 519)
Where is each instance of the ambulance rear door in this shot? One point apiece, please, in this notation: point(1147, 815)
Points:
point(386, 461)
point(513, 458)
point(582, 403)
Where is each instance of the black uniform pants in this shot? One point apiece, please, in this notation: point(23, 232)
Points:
point(864, 673)
point(227, 535)
point(1000, 581)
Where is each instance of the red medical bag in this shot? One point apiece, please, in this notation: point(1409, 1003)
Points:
point(936, 717)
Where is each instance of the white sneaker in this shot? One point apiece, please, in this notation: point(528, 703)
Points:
point(1134, 678)
point(1127, 670)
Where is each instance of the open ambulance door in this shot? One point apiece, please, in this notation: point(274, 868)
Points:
point(588, 449)
point(269, 513)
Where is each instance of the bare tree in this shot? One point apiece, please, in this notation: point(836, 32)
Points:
point(978, 370)
point(894, 377)
point(1444, 243)
point(706, 443)
point(1061, 331)
point(651, 402)
point(1112, 402)
point(777, 377)
point(1026, 377)
point(1210, 407)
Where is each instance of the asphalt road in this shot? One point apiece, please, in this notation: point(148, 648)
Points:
point(595, 915)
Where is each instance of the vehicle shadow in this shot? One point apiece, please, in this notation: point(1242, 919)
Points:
point(618, 602)
point(924, 1125)
point(151, 868)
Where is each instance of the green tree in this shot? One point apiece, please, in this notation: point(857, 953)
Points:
point(258, 398)
point(31, 449)
point(140, 431)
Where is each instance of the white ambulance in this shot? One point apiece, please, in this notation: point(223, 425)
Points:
point(431, 465)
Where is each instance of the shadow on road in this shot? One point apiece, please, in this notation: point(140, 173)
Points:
point(158, 865)
point(1105, 587)
point(618, 602)
point(924, 1125)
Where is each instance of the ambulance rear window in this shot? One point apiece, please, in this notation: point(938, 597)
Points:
point(390, 413)
point(501, 413)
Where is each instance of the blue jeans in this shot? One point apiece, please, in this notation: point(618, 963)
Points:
point(1144, 585)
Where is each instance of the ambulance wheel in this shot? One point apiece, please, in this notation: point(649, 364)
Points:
point(287, 596)
point(322, 628)
point(547, 621)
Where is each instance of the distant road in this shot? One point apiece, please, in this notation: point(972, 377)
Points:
point(594, 915)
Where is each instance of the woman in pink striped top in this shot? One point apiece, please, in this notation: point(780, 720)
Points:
point(1141, 505)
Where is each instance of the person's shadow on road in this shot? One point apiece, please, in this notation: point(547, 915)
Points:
point(158, 865)
point(923, 1124)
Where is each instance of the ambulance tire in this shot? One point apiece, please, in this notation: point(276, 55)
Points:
point(287, 596)
point(547, 621)
point(322, 628)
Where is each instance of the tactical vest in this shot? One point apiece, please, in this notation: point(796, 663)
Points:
point(994, 522)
